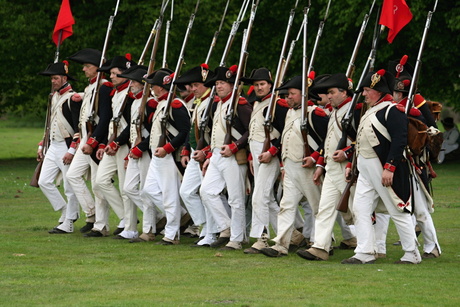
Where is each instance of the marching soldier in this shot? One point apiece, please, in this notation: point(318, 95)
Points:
point(298, 177)
point(383, 170)
point(112, 156)
point(192, 157)
point(265, 165)
point(85, 157)
point(226, 165)
point(162, 182)
point(339, 91)
point(64, 114)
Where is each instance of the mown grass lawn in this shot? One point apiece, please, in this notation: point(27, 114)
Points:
point(39, 269)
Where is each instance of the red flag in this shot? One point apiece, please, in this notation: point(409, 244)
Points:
point(64, 22)
point(395, 15)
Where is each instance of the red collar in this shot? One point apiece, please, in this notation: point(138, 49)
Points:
point(403, 102)
point(137, 96)
point(266, 97)
point(223, 100)
point(387, 97)
point(67, 87)
point(344, 103)
point(189, 97)
point(163, 97)
point(122, 86)
point(92, 80)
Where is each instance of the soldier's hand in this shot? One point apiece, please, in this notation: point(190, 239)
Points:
point(108, 150)
point(308, 162)
point(160, 152)
point(225, 151)
point(184, 160)
point(251, 167)
point(133, 156)
point(40, 154)
point(100, 153)
point(205, 167)
point(265, 157)
point(199, 156)
point(67, 159)
point(317, 175)
point(126, 163)
point(347, 174)
point(76, 97)
point(86, 149)
point(339, 156)
point(387, 178)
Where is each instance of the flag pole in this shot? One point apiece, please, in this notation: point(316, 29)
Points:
point(56, 54)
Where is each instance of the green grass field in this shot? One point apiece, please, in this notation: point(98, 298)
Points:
point(39, 269)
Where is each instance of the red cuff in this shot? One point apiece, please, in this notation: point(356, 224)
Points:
point(114, 146)
point(184, 153)
point(41, 143)
point(207, 148)
point(126, 158)
point(349, 165)
point(101, 146)
point(315, 156)
point(273, 151)
point(73, 145)
point(136, 151)
point(92, 142)
point(233, 148)
point(209, 155)
point(168, 147)
point(250, 156)
point(389, 167)
point(320, 161)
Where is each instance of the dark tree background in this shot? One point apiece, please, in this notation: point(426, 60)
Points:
point(26, 46)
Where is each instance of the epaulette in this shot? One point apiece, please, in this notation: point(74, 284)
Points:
point(107, 83)
point(419, 101)
point(242, 101)
point(176, 104)
point(400, 108)
point(415, 112)
point(359, 106)
point(310, 103)
point(152, 103)
point(216, 98)
point(282, 102)
point(320, 112)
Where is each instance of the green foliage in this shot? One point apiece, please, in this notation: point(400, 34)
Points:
point(27, 48)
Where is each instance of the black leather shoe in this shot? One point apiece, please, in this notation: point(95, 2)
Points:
point(87, 227)
point(353, 260)
point(57, 231)
point(94, 234)
point(306, 255)
point(270, 252)
point(221, 241)
point(118, 231)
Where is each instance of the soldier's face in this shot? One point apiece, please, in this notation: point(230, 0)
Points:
point(198, 89)
point(397, 96)
point(136, 87)
point(294, 97)
point(115, 79)
point(223, 89)
point(90, 70)
point(324, 101)
point(336, 97)
point(372, 96)
point(57, 81)
point(262, 88)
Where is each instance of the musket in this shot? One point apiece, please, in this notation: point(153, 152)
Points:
point(168, 26)
point(318, 37)
point(351, 65)
point(291, 49)
point(416, 75)
point(240, 72)
point(46, 138)
point(277, 82)
point(91, 122)
point(304, 117)
point(342, 205)
point(155, 33)
point(348, 117)
point(207, 112)
point(216, 34)
point(172, 90)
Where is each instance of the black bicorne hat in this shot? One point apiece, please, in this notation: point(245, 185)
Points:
point(403, 72)
point(60, 68)
point(121, 62)
point(381, 81)
point(88, 55)
point(259, 74)
point(296, 82)
point(136, 73)
point(162, 77)
point(339, 80)
point(200, 74)
point(223, 74)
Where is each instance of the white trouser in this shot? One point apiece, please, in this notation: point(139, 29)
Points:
point(108, 167)
point(225, 172)
point(264, 204)
point(307, 220)
point(382, 220)
point(333, 185)
point(297, 183)
point(80, 165)
point(368, 190)
point(189, 192)
point(424, 219)
point(51, 167)
point(162, 189)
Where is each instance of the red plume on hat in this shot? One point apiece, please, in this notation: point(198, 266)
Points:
point(128, 56)
point(205, 66)
point(66, 66)
point(312, 75)
point(400, 66)
point(233, 69)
